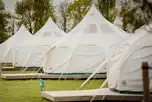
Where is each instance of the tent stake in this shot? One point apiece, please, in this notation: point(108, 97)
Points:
point(145, 73)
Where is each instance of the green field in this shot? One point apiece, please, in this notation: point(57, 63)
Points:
point(14, 72)
point(29, 91)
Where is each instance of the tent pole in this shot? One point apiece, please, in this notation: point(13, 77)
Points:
point(14, 62)
point(29, 56)
point(38, 57)
point(99, 68)
point(145, 73)
point(14, 58)
point(26, 61)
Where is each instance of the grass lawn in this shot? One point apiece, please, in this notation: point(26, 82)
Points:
point(29, 91)
point(17, 72)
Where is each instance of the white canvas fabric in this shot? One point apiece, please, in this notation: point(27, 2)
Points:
point(46, 37)
point(124, 68)
point(94, 18)
point(50, 29)
point(8, 48)
point(33, 49)
point(87, 45)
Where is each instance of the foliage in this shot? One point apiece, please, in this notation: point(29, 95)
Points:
point(107, 8)
point(135, 16)
point(24, 10)
point(63, 10)
point(43, 9)
point(3, 22)
point(11, 26)
point(34, 13)
point(77, 10)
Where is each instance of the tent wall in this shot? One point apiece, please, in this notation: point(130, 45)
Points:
point(131, 72)
point(124, 68)
point(33, 49)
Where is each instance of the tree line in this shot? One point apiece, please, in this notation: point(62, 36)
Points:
point(34, 14)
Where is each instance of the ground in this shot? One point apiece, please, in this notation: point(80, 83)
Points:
point(29, 90)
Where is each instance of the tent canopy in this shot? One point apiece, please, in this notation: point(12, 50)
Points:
point(124, 68)
point(46, 37)
point(50, 29)
point(10, 45)
point(87, 45)
point(18, 38)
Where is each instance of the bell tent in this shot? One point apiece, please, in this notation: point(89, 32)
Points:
point(46, 37)
point(9, 47)
point(50, 29)
point(124, 68)
point(87, 45)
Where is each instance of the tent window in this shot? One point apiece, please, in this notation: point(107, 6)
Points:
point(90, 28)
point(105, 28)
point(57, 34)
point(45, 34)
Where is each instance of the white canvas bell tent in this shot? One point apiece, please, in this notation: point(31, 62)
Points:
point(10, 46)
point(86, 47)
point(50, 29)
point(46, 37)
point(118, 52)
point(124, 68)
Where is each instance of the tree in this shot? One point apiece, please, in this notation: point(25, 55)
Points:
point(34, 13)
point(43, 9)
point(77, 10)
point(107, 8)
point(63, 10)
point(12, 23)
point(136, 15)
point(3, 22)
point(24, 11)
point(11, 26)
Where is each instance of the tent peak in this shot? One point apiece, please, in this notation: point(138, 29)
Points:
point(51, 26)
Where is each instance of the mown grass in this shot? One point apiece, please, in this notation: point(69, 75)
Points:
point(17, 72)
point(29, 90)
